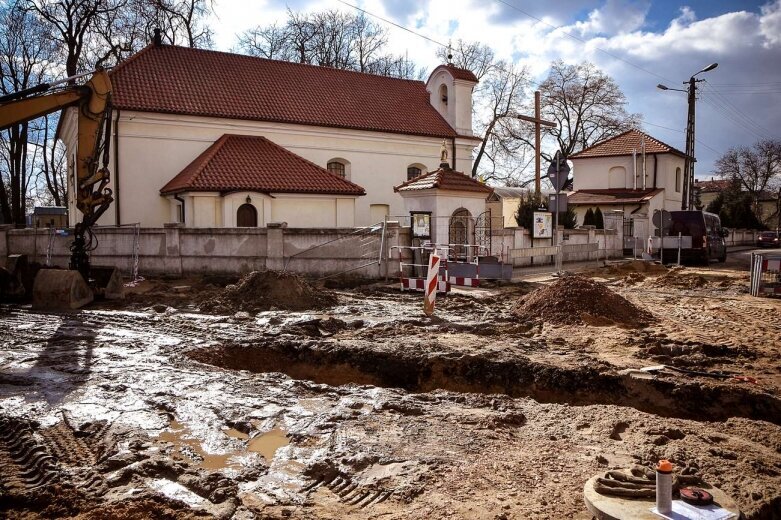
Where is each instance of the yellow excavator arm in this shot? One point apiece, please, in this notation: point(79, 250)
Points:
point(93, 100)
point(70, 289)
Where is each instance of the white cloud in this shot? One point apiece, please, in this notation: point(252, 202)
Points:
point(770, 24)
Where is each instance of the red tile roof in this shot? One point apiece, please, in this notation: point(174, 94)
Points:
point(613, 196)
point(458, 73)
point(624, 144)
point(252, 163)
point(444, 179)
point(181, 80)
point(711, 186)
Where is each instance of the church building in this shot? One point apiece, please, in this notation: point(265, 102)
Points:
point(214, 139)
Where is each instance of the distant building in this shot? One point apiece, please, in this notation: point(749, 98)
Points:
point(768, 207)
point(503, 204)
point(48, 217)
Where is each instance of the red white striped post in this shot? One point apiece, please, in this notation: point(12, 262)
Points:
point(432, 281)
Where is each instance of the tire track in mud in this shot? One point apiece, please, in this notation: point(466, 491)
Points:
point(31, 458)
point(348, 492)
point(26, 463)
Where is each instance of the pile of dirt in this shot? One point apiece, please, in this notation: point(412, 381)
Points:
point(263, 290)
point(575, 299)
point(679, 279)
point(635, 266)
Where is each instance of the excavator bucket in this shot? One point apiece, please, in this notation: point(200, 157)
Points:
point(106, 282)
point(60, 289)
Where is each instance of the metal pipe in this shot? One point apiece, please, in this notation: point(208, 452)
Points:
point(180, 199)
point(117, 213)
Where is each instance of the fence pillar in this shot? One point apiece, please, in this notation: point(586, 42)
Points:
point(4, 252)
point(173, 256)
point(275, 246)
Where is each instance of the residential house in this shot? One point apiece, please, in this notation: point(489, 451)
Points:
point(632, 174)
point(214, 139)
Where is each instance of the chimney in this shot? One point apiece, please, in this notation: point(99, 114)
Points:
point(157, 39)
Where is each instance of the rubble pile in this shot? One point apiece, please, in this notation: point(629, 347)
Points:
point(575, 300)
point(264, 290)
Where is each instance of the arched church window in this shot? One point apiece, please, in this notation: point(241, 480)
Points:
point(337, 168)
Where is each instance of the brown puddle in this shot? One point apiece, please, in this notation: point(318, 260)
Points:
point(268, 443)
point(186, 447)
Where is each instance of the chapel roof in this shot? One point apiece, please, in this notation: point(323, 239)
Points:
point(443, 178)
point(253, 163)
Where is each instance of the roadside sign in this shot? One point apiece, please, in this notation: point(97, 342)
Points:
point(558, 171)
point(662, 220)
point(557, 202)
point(542, 225)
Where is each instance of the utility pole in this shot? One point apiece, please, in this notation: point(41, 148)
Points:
point(687, 195)
point(688, 168)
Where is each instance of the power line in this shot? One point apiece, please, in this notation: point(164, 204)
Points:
point(735, 110)
point(364, 11)
point(682, 132)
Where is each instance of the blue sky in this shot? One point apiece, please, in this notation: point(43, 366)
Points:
point(638, 42)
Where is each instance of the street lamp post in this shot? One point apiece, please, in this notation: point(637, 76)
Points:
point(687, 198)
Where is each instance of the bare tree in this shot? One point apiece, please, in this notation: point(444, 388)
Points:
point(501, 156)
point(587, 105)
point(756, 168)
point(26, 52)
point(473, 56)
point(328, 38)
point(182, 21)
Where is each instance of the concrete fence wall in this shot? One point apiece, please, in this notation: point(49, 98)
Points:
point(176, 251)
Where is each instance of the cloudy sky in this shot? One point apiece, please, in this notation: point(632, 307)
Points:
point(639, 42)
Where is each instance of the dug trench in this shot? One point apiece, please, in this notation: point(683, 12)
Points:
point(336, 364)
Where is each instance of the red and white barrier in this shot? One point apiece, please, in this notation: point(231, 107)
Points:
point(418, 284)
point(464, 282)
point(432, 282)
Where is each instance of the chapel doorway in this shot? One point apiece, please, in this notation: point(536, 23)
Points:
point(461, 234)
point(247, 216)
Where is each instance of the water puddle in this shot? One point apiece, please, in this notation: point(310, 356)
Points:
point(268, 443)
point(186, 447)
point(189, 448)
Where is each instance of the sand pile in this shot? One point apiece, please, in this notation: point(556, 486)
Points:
point(575, 299)
point(262, 290)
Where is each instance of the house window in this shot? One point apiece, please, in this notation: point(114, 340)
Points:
point(247, 216)
point(337, 168)
point(412, 172)
point(678, 180)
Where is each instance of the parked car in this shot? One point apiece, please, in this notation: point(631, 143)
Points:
point(769, 239)
point(707, 235)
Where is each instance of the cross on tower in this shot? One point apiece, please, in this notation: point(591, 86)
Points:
point(538, 121)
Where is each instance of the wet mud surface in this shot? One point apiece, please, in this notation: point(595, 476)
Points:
point(367, 409)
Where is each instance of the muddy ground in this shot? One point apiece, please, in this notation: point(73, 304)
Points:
point(368, 409)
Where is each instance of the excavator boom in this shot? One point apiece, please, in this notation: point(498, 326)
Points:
point(93, 197)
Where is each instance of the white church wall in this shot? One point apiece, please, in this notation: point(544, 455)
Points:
point(153, 148)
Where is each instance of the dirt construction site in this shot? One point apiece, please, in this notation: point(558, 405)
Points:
point(271, 396)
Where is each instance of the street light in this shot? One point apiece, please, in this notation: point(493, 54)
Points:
point(688, 174)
